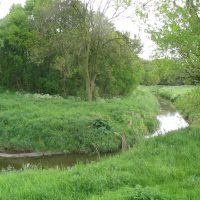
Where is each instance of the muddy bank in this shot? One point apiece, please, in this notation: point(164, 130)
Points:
point(29, 155)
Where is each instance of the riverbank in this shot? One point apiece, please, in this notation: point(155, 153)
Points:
point(161, 168)
point(40, 123)
point(186, 99)
point(29, 155)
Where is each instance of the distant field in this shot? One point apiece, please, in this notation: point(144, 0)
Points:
point(173, 92)
point(33, 122)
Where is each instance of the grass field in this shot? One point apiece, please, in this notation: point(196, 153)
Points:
point(33, 122)
point(173, 92)
point(158, 169)
point(161, 168)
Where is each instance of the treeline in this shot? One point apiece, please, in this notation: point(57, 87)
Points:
point(65, 47)
point(165, 71)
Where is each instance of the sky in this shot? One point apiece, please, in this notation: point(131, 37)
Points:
point(122, 24)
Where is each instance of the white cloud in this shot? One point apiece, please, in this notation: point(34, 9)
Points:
point(122, 24)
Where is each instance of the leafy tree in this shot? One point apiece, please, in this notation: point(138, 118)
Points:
point(179, 36)
point(67, 47)
point(89, 31)
point(16, 37)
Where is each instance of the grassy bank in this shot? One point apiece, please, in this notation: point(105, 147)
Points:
point(33, 122)
point(161, 168)
point(186, 99)
point(174, 92)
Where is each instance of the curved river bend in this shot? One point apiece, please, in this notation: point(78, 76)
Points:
point(169, 120)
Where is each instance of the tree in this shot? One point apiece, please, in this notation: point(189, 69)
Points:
point(16, 37)
point(88, 30)
point(179, 34)
point(53, 24)
point(68, 47)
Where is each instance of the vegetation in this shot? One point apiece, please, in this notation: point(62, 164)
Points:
point(180, 35)
point(174, 92)
point(163, 72)
point(156, 170)
point(66, 51)
point(67, 48)
point(176, 32)
point(31, 122)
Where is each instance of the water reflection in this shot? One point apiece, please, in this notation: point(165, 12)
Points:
point(169, 119)
point(63, 161)
point(169, 122)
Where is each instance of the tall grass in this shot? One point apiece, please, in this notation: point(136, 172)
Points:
point(33, 122)
point(159, 169)
point(189, 104)
point(162, 168)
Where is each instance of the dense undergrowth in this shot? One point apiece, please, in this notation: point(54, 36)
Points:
point(30, 122)
point(161, 168)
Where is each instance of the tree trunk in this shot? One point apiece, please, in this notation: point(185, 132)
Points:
point(64, 86)
point(90, 85)
point(88, 81)
point(124, 142)
point(89, 92)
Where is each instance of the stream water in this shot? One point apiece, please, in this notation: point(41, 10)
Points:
point(169, 120)
point(53, 161)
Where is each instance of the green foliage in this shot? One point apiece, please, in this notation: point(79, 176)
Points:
point(164, 72)
point(43, 122)
point(127, 193)
point(99, 123)
point(189, 104)
point(64, 47)
point(179, 35)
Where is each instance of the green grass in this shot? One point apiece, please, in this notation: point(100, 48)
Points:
point(33, 122)
point(189, 105)
point(160, 168)
point(173, 92)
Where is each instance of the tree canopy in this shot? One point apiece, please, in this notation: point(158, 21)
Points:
point(67, 47)
point(178, 35)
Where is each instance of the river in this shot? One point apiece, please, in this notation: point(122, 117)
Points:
point(169, 120)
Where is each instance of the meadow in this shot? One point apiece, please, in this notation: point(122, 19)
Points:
point(35, 122)
point(173, 92)
point(161, 168)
